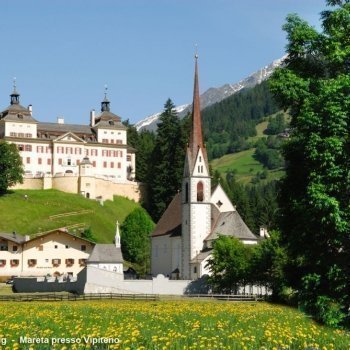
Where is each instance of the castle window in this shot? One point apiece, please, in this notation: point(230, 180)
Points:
point(39, 161)
point(20, 147)
point(49, 161)
point(200, 191)
point(28, 160)
point(119, 165)
point(60, 161)
point(128, 158)
point(28, 148)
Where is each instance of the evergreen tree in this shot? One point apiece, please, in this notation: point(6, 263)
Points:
point(315, 201)
point(11, 169)
point(167, 161)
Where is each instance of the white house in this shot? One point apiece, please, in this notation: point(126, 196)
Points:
point(182, 240)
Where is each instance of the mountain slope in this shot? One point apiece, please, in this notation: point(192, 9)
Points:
point(214, 95)
point(32, 215)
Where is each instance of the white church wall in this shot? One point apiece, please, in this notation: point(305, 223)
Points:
point(219, 196)
point(161, 255)
point(176, 253)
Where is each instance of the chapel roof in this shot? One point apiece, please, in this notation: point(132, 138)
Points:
point(106, 253)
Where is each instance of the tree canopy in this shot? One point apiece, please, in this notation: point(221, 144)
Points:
point(135, 240)
point(11, 169)
point(315, 203)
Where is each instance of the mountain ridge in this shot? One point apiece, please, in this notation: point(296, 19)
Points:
point(214, 95)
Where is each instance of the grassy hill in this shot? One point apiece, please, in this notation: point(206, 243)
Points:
point(243, 163)
point(32, 215)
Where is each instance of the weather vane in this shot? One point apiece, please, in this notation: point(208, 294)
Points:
point(196, 50)
point(14, 83)
point(106, 88)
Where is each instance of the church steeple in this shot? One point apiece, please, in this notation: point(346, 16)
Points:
point(15, 95)
point(196, 138)
point(105, 103)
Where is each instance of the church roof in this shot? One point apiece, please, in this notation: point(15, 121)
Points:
point(227, 223)
point(231, 224)
point(170, 222)
point(106, 253)
point(196, 138)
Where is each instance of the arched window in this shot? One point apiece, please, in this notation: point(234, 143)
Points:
point(186, 193)
point(200, 191)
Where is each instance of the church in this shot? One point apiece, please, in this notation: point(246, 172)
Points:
point(182, 241)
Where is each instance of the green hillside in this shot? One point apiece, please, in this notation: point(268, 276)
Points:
point(32, 215)
point(243, 163)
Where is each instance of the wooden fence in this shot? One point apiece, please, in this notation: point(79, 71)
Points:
point(74, 297)
point(114, 296)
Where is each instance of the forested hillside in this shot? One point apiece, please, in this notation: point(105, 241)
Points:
point(227, 124)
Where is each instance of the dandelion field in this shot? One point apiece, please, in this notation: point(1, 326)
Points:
point(162, 325)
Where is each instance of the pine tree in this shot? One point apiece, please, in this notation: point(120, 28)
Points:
point(167, 161)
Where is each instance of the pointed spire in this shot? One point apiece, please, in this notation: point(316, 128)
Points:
point(196, 138)
point(105, 103)
point(15, 95)
point(117, 236)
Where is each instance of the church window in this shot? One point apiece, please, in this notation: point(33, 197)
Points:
point(200, 158)
point(199, 168)
point(186, 193)
point(219, 203)
point(200, 191)
point(195, 269)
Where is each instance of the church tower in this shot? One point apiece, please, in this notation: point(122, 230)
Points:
point(196, 191)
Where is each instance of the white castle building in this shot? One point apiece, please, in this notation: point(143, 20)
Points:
point(182, 240)
point(56, 150)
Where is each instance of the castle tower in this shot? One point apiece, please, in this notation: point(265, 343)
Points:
point(196, 191)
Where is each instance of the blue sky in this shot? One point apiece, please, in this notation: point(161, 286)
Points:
point(62, 53)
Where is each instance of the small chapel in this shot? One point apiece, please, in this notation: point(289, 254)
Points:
point(182, 240)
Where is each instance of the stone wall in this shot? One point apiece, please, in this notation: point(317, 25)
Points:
point(100, 281)
point(102, 188)
point(50, 284)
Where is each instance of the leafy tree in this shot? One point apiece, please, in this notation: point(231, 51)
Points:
point(167, 161)
point(276, 125)
point(268, 261)
point(315, 203)
point(11, 169)
point(87, 233)
point(135, 241)
point(229, 264)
